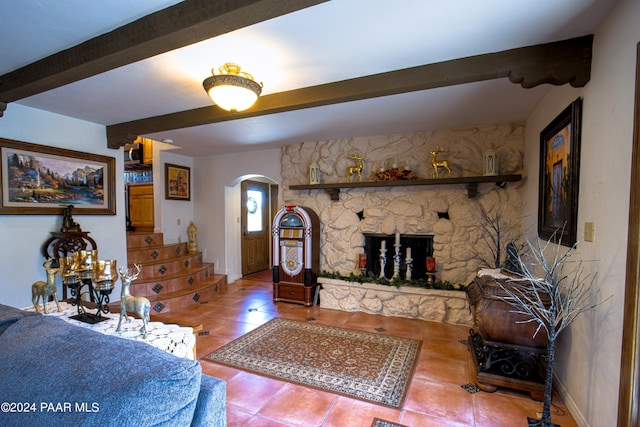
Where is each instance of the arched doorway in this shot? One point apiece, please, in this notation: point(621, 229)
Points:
point(233, 202)
point(255, 225)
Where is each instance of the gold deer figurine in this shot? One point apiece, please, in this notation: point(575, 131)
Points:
point(46, 289)
point(439, 163)
point(356, 169)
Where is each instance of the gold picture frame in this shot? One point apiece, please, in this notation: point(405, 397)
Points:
point(559, 175)
point(41, 180)
point(177, 182)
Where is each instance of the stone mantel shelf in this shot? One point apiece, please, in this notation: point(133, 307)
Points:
point(471, 182)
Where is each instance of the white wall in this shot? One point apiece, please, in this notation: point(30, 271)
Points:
point(588, 356)
point(171, 217)
point(217, 203)
point(22, 235)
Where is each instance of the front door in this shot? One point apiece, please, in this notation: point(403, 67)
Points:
point(255, 226)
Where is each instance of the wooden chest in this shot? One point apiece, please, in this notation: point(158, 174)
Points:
point(504, 349)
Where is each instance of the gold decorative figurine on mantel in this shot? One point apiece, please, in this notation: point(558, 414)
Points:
point(439, 163)
point(192, 247)
point(356, 169)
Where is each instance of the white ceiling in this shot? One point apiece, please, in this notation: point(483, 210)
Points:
point(333, 41)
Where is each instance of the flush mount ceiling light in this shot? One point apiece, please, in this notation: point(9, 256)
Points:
point(232, 89)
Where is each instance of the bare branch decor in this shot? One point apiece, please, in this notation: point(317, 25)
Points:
point(552, 292)
point(496, 233)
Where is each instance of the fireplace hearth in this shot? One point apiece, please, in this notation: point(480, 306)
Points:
point(421, 248)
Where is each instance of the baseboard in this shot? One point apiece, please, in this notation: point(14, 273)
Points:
point(571, 405)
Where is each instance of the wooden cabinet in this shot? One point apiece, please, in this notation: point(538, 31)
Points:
point(141, 207)
point(147, 149)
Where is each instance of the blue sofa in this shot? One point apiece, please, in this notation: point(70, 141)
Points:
point(57, 373)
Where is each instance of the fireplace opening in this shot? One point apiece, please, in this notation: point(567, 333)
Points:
point(421, 247)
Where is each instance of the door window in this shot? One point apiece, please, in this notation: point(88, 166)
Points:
point(254, 211)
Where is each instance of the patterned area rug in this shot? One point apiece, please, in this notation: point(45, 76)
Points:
point(372, 367)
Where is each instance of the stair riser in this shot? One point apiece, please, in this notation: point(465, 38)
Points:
point(171, 285)
point(185, 301)
point(144, 240)
point(162, 270)
point(155, 255)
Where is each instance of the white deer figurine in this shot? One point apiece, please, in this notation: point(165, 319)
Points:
point(45, 289)
point(439, 163)
point(138, 305)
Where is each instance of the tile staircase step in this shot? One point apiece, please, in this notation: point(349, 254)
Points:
point(217, 282)
point(181, 300)
point(171, 278)
point(143, 240)
point(184, 279)
point(150, 254)
point(169, 268)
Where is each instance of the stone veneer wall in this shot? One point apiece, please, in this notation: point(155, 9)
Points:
point(408, 210)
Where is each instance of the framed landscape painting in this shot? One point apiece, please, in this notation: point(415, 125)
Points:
point(559, 175)
point(177, 182)
point(38, 179)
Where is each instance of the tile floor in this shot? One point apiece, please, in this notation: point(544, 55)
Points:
point(435, 397)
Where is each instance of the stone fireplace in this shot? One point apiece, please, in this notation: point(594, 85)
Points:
point(351, 224)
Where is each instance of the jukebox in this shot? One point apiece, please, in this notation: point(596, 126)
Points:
point(296, 255)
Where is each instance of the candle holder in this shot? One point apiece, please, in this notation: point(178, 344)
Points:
point(409, 263)
point(383, 262)
point(396, 262)
point(84, 269)
point(362, 264)
point(431, 269)
point(71, 279)
point(105, 276)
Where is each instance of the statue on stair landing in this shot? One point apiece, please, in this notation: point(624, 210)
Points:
point(192, 246)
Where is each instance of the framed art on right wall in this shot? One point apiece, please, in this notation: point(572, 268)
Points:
point(559, 175)
point(177, 182)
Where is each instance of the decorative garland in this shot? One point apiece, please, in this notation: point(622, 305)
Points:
point(394, 174)
point(396, 282)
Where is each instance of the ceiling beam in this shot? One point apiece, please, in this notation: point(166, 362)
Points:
point(557, 63)
point(177, 26)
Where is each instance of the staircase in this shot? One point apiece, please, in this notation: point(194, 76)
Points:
point(171, 278)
